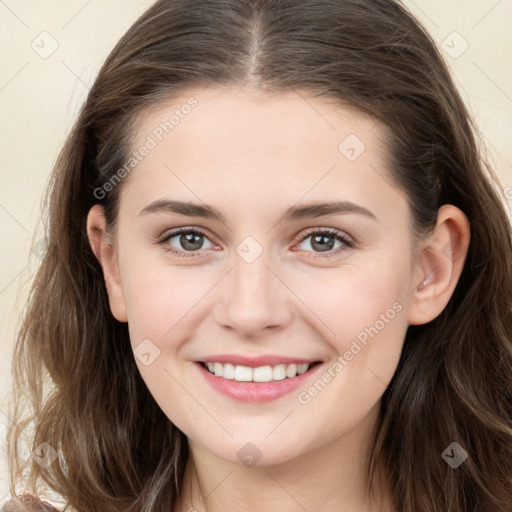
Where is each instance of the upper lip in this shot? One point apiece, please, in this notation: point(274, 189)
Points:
point(255, 361)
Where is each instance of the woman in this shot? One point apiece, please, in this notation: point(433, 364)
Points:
point(278, 275)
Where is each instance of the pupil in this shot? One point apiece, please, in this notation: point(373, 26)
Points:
point(318, 242)
point(187, 241)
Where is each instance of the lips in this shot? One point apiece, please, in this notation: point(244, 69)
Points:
point(256, 379)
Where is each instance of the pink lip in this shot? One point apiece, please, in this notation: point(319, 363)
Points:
point(255, 392)
point(255, 362)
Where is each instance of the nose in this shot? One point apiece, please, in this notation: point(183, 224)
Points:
point(253, 299)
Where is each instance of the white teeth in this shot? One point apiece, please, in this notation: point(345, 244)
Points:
point(243, 374)
point(217, 368)
point(228, 371)
point(262, 374)
point(259, 374)
point(279, 372)
point(302, 368)
point(291, 370)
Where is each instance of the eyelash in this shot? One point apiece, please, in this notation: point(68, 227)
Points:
point(347, 242)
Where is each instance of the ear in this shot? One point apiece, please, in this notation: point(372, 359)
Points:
point(440, 263)
point(105, 252)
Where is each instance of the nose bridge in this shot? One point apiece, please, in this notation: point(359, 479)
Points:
point(250, 280)
point(252, 298)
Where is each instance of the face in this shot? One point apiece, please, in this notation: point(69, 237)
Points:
point(262, 235)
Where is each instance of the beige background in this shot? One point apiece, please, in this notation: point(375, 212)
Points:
point(40, 97)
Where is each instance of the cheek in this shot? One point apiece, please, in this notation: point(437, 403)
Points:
point(163, 302)
point(362, 317)
point(159, 297)
point(352, 297)
point(360, 311)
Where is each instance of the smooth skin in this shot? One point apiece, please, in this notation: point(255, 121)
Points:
point(252, 156)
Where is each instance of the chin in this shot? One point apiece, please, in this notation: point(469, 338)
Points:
point(250, 450)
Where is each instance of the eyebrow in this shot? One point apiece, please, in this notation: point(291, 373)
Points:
point(294, 213)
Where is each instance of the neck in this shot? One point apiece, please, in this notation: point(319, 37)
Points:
point(333, 477)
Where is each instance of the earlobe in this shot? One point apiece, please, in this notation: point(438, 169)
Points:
point(441, 261)
point(104, 250)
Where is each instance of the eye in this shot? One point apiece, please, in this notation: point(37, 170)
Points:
point(184, 242)
point(324, 241)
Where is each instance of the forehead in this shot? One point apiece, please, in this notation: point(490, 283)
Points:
point(230, 115)
point(287, 145)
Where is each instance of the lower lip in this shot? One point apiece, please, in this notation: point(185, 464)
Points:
point(256, 392)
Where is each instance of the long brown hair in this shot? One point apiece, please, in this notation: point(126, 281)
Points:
point(76, 381)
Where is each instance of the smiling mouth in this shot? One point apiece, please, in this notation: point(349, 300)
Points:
point(266, 373)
